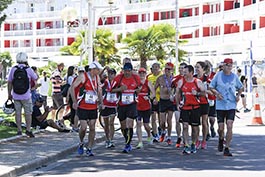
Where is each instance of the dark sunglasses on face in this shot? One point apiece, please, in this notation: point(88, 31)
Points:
point(168, 69)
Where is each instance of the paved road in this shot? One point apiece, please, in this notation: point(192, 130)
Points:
point(162, 160)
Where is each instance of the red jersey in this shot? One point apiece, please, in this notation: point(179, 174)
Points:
point(143, 103)
point(210, 78)
point(189, 101)
point(89, 100)
point(127, 96)
point(110, 100)
point(175, 80)
point(203, 99)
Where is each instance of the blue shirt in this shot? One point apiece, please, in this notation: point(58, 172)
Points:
point(226, 85)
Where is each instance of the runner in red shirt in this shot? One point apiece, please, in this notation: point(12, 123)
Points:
point(109, 109)
point(145, 96)
point(187, 93)
point(128, 86)
point(87, 104)
point(177, 113)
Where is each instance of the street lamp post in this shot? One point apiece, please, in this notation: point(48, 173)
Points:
point(69, 14)
point(177, 35)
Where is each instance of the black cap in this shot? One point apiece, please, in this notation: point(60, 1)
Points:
point(127, 66)
point(39, 98)
point(112, 70)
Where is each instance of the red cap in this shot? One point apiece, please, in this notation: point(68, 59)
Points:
point(228, 61)
point(170, 64)
point(142, 70)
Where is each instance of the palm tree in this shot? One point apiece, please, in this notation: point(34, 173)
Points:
point(103, 47)
point(157, 41)
point(141, 44)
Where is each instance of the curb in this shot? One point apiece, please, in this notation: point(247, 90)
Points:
point(27, 167)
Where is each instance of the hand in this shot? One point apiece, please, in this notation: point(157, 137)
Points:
point(194, 92)
point(123, 87)
point(10, 97)
point(75, 105)
point(219, 96)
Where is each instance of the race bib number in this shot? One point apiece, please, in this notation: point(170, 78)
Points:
point(112, 97)
point(211, 102)
point(127, 98)
point(91, 97)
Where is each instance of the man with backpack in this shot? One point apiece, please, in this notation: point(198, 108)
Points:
point(19, 90)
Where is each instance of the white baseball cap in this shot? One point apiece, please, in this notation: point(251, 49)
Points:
point(95, 64)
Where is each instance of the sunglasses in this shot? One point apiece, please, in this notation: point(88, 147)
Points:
point(229, 65)
point(168, 69)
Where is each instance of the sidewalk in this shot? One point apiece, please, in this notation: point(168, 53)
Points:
point(24, 154)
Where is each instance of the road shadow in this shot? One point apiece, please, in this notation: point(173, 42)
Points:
point(248, 155)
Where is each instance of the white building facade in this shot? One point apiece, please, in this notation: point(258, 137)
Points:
point(214, 29)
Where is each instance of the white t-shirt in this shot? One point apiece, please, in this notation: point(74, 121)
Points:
point(44, 87)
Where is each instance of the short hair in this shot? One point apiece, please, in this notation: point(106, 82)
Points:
point(190, 68)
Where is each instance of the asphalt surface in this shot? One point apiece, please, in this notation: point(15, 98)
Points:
point(54, 153)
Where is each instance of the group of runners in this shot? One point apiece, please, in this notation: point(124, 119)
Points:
point(151, 99)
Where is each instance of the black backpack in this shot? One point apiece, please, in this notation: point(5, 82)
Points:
point(21, 80)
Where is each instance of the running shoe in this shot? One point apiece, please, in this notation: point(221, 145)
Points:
point(220, 145)
point(162, 138)
point(140, 145)
point(246, 110)
point(208, 137)
point(30, 134)
point(178, 143)
point(169, 142)
point(107, 144)
point(156, 139)
point(127, 148)
point(80, 149)
point(89, 152)
point(193, 148)
point(227, 152)
point(197, 144)
point(149, 140)
point(112, 144)
point(186, 150)
point(19, 133)
point(204, 145)
point(213, 133)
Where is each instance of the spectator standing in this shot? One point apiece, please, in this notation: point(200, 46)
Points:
point(44, 87)
point(33, 85)
point(57, 97)
point(243, 80)
point(224, 86)
point(19, 90)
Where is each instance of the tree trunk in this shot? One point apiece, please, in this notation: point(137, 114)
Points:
point(143, 61)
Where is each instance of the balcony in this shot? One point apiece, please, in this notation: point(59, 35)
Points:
point(189, 21)
point(232, 14)
point(49, 49)
point(38, 15)
point(249, 11)
point(19, 49)
point(50, 31)
point(18, 33)
point(211, 18)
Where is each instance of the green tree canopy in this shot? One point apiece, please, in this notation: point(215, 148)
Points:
point(157, 41)
point(103, 47)
point(3, 5)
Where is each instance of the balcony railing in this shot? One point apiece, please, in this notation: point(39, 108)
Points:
point(50, 31)
point(189, 21)
point(26, 16)
point(18, 33)
point(233, 14)
point(49, 49)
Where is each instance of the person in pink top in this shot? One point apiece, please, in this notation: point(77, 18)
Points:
point(22, 99)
